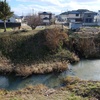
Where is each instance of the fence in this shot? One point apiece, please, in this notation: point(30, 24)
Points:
point(10, 25)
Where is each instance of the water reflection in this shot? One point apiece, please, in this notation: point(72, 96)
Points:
point(87, 69)
point(4, 82)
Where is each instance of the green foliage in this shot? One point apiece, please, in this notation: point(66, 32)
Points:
point(5, 12)
point(21, 48)
point(82, 88)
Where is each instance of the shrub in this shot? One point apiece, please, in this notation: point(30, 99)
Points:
point(55, 39)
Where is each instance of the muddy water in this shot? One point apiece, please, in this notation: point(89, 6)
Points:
point(85, 69)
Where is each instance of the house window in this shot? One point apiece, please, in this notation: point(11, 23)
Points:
point(88, 20)
point(89, 15)
point(8, 20)
point(77, 14)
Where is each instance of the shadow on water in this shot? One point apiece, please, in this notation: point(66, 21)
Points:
point(12, 82)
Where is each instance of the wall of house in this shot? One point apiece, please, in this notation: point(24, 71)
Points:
point(73, 16)
point(89, 24)
point(88, 18)
point(97, 19)
point(19, 20)
point(43, 16)
point(46, 21)
point(12, 19)
point(64, 17)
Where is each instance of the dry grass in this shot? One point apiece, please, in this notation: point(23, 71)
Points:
point(41, 68)
point(55, 38)
point(85, 44)
point(35, 52)
point(83, 88)
point(39, 92)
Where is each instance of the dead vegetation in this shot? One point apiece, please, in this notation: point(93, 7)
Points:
point(90, 89)
point(38, 92)
point(55, 39)
point(40, 68)
point(37, 53)
point(86, 44)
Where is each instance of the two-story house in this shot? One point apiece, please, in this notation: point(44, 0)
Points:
point(80, 17)
point(74, 15)
point(46, 17)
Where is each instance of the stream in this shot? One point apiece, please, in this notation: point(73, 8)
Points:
point(85, 69)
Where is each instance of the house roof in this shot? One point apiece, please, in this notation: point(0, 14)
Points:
point(46, 18)
point(16, 16)
point(45, 13)
point(90, 12)
point(79, 11)
point(70, 12)
point(73, 12)
point(82, 10)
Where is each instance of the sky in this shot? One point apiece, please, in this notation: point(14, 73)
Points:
point(25, 7)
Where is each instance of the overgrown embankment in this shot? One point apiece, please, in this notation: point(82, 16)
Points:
point(86, 42)
point(41, 52)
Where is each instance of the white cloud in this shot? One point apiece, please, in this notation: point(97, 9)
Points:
point(55, 6)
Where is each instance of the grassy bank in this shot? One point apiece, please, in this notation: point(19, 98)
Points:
point(27, 52)
point(75, 89)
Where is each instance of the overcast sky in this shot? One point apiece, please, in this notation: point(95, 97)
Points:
point(55, 6)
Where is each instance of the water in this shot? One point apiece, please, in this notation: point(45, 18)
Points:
point(85, 69)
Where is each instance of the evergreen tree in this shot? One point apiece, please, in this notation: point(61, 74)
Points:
point(5, 12)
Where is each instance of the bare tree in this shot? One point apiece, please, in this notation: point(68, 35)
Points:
point(33, 21)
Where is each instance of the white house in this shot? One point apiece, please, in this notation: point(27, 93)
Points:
point(71, 16)
point(14, 19)
point(97, 18)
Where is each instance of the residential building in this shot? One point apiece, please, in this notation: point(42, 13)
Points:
point(46, 17)
point(74, 15)
point(15, 19)
point(89, 18)
point(80, 17)
point(97, 18)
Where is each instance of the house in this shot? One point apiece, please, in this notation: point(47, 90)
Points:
point(15, 19)
point(97, 18)
point(89, 18)
point(46, 17)
point(74, 15)
point(80, 17)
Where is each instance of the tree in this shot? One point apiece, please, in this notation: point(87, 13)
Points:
point(33, 21)
point(5, 12)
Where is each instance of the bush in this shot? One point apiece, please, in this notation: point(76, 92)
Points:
point(55, 39)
